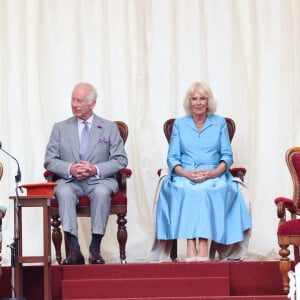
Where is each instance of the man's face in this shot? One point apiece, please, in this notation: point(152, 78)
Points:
point(81, 108)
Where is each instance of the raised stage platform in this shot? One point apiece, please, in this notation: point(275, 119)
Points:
point(259, 280)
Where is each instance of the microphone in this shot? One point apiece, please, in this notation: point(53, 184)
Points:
point(14, 245)
point(14, 252)
point(18, 176)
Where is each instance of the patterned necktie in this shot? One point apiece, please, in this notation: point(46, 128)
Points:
point(84, 140)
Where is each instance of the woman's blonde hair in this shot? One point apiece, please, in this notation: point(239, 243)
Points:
point(205, 91)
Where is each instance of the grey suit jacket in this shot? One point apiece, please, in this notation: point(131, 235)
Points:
point(105, 150)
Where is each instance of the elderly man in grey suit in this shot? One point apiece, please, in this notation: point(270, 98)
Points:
point(85, 151)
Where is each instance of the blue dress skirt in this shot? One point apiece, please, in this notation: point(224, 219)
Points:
point(214, 209)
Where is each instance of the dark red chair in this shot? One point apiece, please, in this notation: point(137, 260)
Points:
point(236, 172)
point(288, 232)
point(118, 207)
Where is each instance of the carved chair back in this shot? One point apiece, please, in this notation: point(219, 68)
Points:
point(288, 231)
point(168, 126)
point(293, 162)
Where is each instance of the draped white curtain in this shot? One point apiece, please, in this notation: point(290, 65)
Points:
point(142, 55)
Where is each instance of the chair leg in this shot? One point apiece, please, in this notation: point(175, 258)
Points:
point(122, 236)
point(173, 253)
point(56, 237)
point(284, 266)
point(296, 253)
point(67, 246)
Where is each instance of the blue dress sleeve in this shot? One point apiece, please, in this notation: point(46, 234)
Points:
point(174, 152)
point(226, 151)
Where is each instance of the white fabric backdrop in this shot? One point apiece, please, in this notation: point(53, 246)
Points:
point(142, 55)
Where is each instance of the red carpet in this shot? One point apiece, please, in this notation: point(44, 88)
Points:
point(203, 281)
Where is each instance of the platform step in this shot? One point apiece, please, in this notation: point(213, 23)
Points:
point(248, 280)
point(146, 280)
point(141, 288)
point(272, 297)
point(166, 281)
point(127, 271)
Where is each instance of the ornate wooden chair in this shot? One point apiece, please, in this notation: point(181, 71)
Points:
point(118, 207)
point(288, 231)
point(236, 172)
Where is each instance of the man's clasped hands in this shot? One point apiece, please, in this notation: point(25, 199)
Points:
point(82, 170)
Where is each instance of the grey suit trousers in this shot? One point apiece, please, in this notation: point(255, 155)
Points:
point(67, 194)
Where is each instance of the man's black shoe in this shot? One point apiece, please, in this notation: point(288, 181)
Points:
point(75, 258)
point(96, 258)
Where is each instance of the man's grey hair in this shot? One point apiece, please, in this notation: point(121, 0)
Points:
point(92, 92)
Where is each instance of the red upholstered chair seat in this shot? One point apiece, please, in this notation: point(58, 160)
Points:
point(288, 212)
point(291, 228)
point(117, 199)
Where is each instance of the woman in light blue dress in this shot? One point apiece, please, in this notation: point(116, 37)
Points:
point(199, 199)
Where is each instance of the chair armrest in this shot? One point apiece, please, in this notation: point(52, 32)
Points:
point(126, 172)
point(238, 172)
point(283, 204)
point(49, 176)
point(121, 177)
